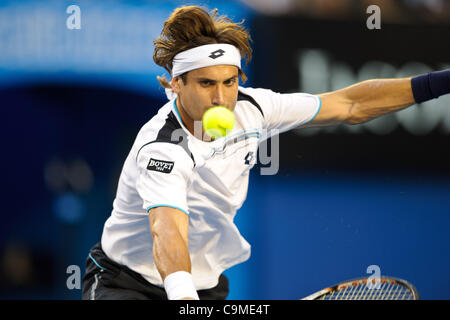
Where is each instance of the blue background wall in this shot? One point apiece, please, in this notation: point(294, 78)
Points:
point(311, 230)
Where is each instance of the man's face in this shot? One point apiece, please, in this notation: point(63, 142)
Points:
point(207, 87)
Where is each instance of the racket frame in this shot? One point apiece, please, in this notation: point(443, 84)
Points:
point(357, 281)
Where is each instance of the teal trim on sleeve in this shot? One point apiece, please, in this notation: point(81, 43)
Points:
point(320, 106)
point(166, 205)
point(318, 110)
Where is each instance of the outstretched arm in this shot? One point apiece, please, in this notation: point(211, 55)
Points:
point(369, 99)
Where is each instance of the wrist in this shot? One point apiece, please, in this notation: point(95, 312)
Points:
point(179, 285)
point(431, 85)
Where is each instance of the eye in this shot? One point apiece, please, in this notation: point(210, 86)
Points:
point(229, 82)
point(206, 83)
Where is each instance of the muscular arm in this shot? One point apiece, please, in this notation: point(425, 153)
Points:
point(364, 101)
point(169, 228)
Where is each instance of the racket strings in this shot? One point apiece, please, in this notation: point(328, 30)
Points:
point(361, 291)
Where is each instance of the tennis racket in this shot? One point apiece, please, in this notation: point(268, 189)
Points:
point(386, 288)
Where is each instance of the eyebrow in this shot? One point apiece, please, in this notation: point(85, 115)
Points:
point(214, 81)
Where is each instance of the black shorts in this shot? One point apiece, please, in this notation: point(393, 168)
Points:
point(107, 280)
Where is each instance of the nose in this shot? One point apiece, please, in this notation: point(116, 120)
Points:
point(218, 96)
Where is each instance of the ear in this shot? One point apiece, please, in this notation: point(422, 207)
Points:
point(175, 85)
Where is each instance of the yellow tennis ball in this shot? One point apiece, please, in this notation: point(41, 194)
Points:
point(216, 121)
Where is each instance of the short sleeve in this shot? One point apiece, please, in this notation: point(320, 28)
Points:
point(164, 171)
point(284, 111)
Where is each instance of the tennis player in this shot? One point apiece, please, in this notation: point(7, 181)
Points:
point(171, 233)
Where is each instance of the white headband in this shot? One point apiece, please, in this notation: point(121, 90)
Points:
point(205, 56)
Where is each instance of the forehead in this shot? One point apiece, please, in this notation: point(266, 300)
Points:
point(220, 72)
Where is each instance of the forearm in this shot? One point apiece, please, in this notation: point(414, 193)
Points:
point(170, 252)
point(171, 255)
point(169, 228)
point(373, 98)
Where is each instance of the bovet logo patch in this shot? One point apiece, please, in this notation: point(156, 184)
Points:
point(160, 165)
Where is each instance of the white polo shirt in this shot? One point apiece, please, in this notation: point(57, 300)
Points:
point(168, 166)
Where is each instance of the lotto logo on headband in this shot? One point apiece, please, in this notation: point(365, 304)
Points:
point(216, 54)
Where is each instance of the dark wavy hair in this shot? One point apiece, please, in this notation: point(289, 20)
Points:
point(192, 26)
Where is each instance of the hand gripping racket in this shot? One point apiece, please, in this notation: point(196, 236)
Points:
point(385, 288)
